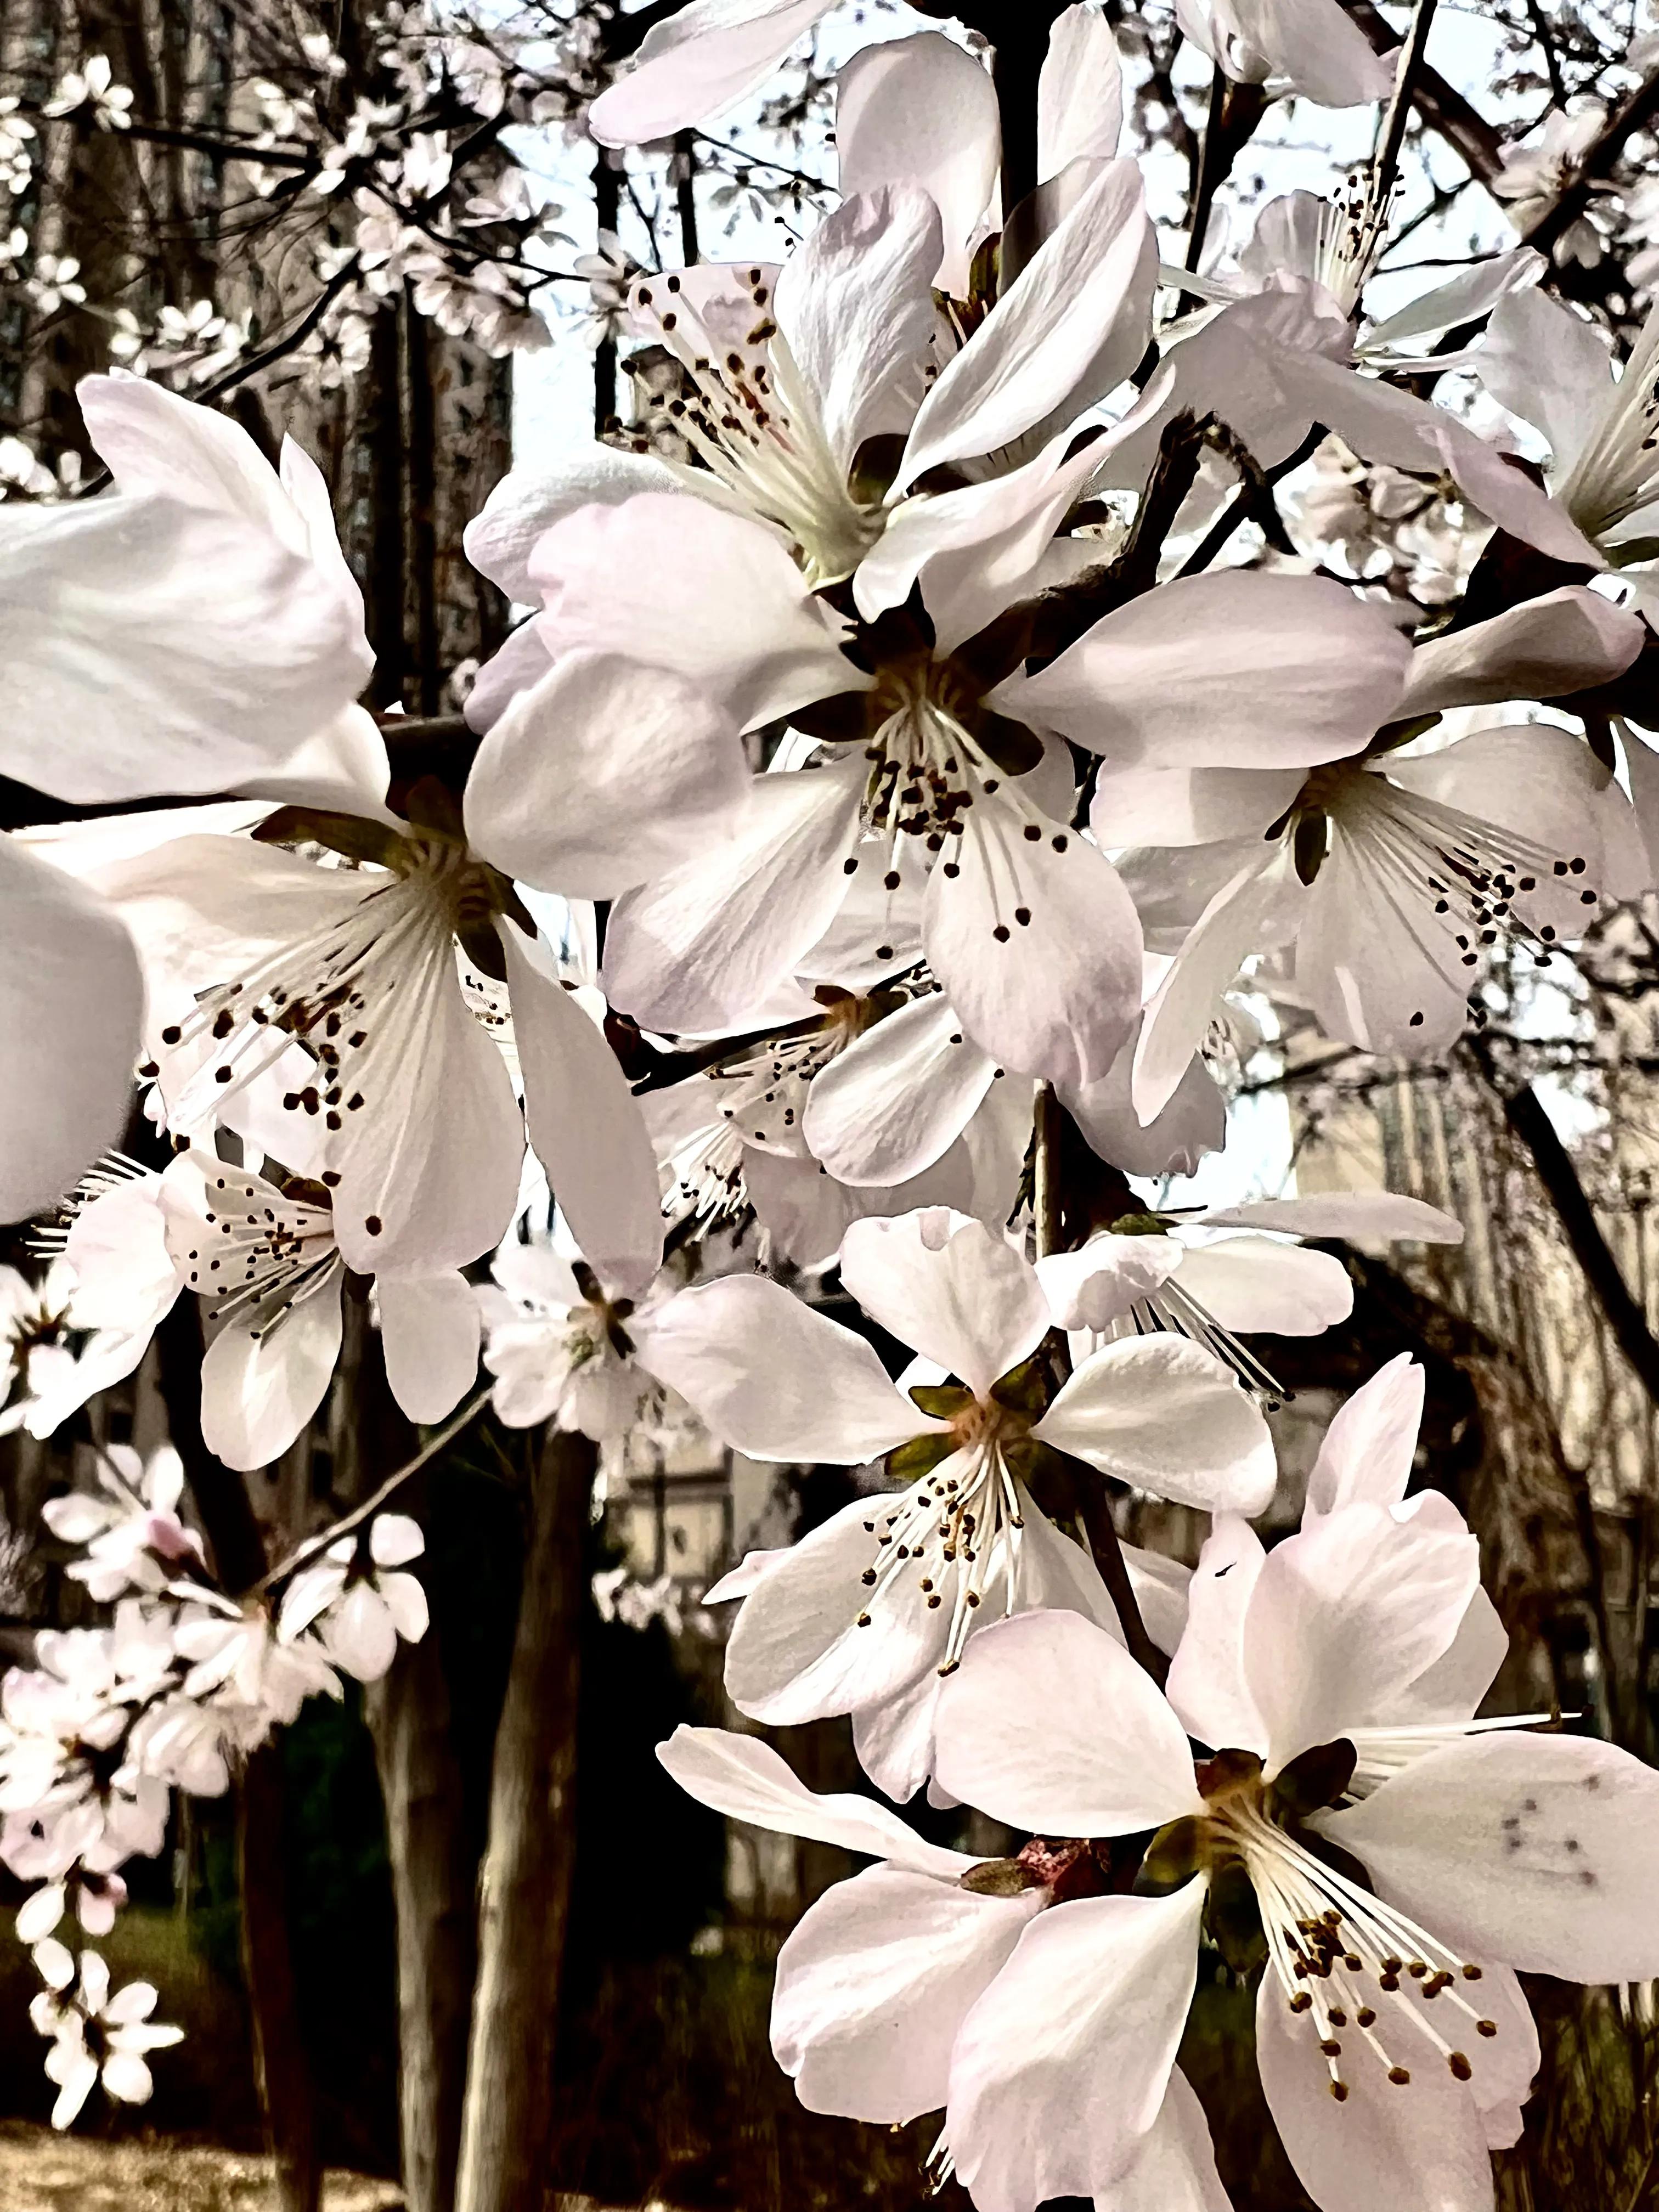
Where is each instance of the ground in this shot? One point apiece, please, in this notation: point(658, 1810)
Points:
point(40, 2171)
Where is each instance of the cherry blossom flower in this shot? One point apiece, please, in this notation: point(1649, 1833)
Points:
point(1481, 1854)
point(355, 1601)
point(133, 1536)
point(869, 1613)
point(257, 1680)
point(879, 1980)
point(95, 2036)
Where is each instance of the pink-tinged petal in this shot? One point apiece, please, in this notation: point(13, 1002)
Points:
point(527, 502)
point(1165, 1416)
point(522, 661)
point(1174, 2170)
point(1360, 1216)
point(674, 582)
point(1037, 945)
point(797, 1651)
point(586, 1126)
point(1206, 1684)
point(977, 549)
point(1294, 670)
point(898, 1097)
point(1255, 1283)
point(874, 1983)
point(1080, 92)
point(1539, 1851)
point(1061, 2068)
point(1049, 1725)
point(1249, 909)
point(854, 304)
point(1369, 1448)
point(702, 60)
point(923, 112)
point(71, 1005)
point(949, 1287)
point(1153, 805)
point(259, 1391)
point(429, 1328)
point(1347, 1613)
point(1472, 294)
point(1105, 1278)
point(820, 1393)
point(1383, 2143)
point(747, 1781)
point(1192, 1125)
point(1070, 328)
point(1550, 366)
point(1547, 648)
point(699, 948)
point(605, 774)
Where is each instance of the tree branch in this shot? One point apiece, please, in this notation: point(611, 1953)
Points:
point(1638, 112)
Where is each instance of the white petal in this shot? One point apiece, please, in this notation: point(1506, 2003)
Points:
point(405, 1601)
point(1061, 2068)
point(527, 502)
point(1464, 297)
point(1149, 806)
point(40, 1913)
point(1370, 1445)
point(797, 1652)
point(308, 1594)
point(1102, 1279)
point(853, 302)
point(898, 1097)
point(1079, 91)
point(806, 1212)
point(78, 2078)
point(1056, 994)
point(71, 1007)
point(670, 581)
point(430, 1330)
point(1322, 51)
point(1166, 1417)
point(1383, 2144)
point(1550, 366)
point(132, 2004)
point(1174, 2170)
point(699, 948)
point(893, 1735)
point(1295, 670)
point(342, 766)
point(746, 1780)
point(1539, 1851)
point(1565, 641)
point(874, 1983)
point(821, 1394)
point(522, 661)
point(360, 1634)
point(259, 1392)
point(1256, 1283)
point(1050, 1725)
point(1206, 1684)
point(1070, 327)
point(586, 1126)
point(394, 1540)
point(702, 60)
point(54, 1963)
point(127, 2078)
point(921, 111)
point(604, 775)
point(1359, 1215)
point(1345, 1614)
point(1175, 1140)
point(950, 1288)
point(108, 634)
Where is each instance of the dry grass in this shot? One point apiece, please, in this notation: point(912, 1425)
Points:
point(40, 2171)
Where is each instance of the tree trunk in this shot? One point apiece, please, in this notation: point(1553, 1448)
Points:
point(525, 1891)
point(280, 2065)
point(432, 1888)
point(409, 1721)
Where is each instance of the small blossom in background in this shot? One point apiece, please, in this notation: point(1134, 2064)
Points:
point(96, 2036)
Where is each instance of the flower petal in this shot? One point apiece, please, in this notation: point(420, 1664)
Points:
point(1358, 1215)
point(1370, 1445)
point(875, 1981)
point(1565, 641)
point(1295, 670)
point(1550, 366)
point(701, 60)
point(899, 1095)
point(1103, 1280)
point(921, 111)
point(1049, 1725)
point(949, 1287)
point(746, 1780)
point(1061, 2068)
point(821, 1394)
point(1255, 1283)
point(430, 1330)
point(1138, 805)
point(500, 538)
point(71, 1003)
point(1542, 1852)
point(259, 1390)
point(1174, 2170)
point(603, 775)
point(1166, 1417)
point(1080, 92)
point(1207, 1685)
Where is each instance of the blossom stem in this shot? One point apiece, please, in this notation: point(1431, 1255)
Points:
point(428, 1451)
point(1392, 136)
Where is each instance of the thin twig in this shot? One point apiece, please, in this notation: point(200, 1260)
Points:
point(1392, 136)
point(1212, 154)
point(428, 1451)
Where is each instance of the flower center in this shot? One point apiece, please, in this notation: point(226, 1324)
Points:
point(266, 1253)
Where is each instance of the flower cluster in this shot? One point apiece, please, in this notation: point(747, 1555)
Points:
point(842, 892)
